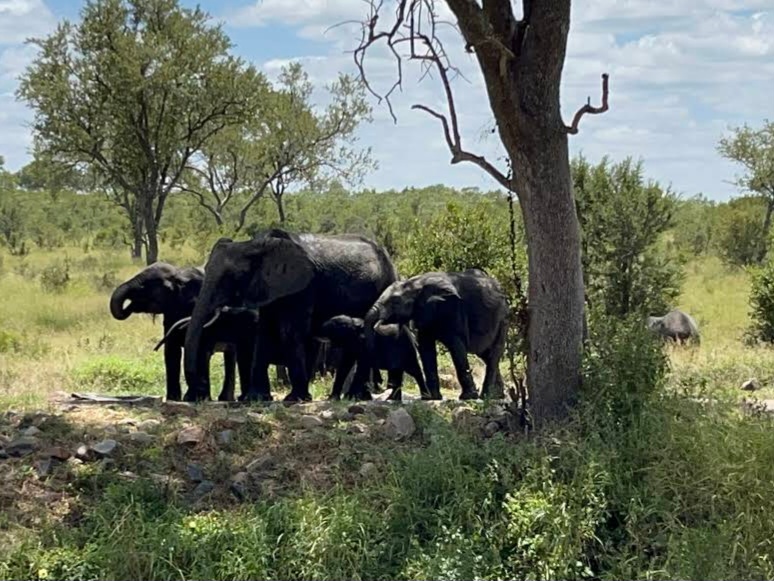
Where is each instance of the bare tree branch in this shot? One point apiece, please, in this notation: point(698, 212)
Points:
point(587, 108)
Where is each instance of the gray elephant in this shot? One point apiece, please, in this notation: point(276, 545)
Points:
point(164, 289)
point(297, 281)
point(675, 326)
point(233, 331)
point(394, 350)
point(465, 311)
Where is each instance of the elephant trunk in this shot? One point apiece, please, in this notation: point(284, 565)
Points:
point(117, 300)
point(374, 315)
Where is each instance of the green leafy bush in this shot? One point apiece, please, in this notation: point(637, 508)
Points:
point(762, 304)
point(740, 238)
point(55, 278)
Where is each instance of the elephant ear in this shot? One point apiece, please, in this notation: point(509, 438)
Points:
point(436, 303)
point(285, 269)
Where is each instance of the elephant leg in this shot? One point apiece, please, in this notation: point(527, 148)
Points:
point(395, 383)
point(429, 356)
point(299, 378)
point(173, 353)
point(282, 375)
point(229, 379)
point(492, 360)
point(414, 370)
point(259, 388)
point(342, 371)
point(244, 360)
point(459, 357)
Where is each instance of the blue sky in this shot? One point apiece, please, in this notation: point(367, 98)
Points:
point(682, 72)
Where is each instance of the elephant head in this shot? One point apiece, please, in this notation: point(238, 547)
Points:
point(251, 274)
point(158, 289)
point(342, 330)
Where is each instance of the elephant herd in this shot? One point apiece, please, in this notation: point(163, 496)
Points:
point(279, 298)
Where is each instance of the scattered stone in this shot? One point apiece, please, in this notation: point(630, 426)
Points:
point(491, 428)
point(141, 438)
point(194, 472)
point(57, 453)
point(3, 455)
point(178, 408)
point(356, 409)
point(82, 452)
point(310, 422)
point(31, 432)
point(261, 464)
point(232, 422)
point(465, 418)
point(343, 416)
point(751, 385)
point(238, 485)
point(190, 435)
point(203, 488)
point(111, 430)
point(128, 422)
point(327, 414)
point(75, 462)
point(368, 470)
point(107, 463)
point(23, 446)
point(225, 438)
point(105, 447)
point(43, 467)
point(150, 424)
point(357, 428)
point(380, 410)
point(255, 416)
point(128, 474)
point(400, 424)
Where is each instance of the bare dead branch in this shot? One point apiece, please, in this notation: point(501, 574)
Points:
point(588, 108)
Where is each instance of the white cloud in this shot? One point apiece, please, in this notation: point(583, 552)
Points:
point(20, 19)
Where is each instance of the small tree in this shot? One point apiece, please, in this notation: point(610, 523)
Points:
point(762, 304)
point(695, 225)
point(286, 144)
point(623, 219)
point(740, 230)
point(132, 92)
point(754, 150)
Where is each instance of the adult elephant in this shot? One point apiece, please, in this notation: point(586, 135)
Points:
point(297, 281)
point(167, 290)
point(465, 311)
point(676, 326)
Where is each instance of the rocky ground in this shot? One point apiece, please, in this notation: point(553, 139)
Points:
point(52, 462)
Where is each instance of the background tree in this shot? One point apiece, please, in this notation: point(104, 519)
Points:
point(739, 230)
point(132, 91)
point(521, 60)
point(695, 225)
point(754, 150)
point(285, 145)
point(623, 219)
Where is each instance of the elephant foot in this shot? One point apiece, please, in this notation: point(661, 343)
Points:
point(396, 395)
point(364, 395)
point(256, 396)
point(227, 397)
point(469, 395)
point(297, 398)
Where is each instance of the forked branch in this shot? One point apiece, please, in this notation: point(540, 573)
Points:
point(415, 26)
point(588, 108)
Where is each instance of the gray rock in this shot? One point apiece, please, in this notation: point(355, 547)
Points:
point(261, 464)
point(344, 416)
point(194, 472)
point(178, 408)
point(23, 446)
point(357, 428)
point(190, 435)
point(43, 467)
point(31, 432)
point(327, 414)
point(149, 424)
point(203, 488)
point(380, 410)
point(105, 447)
point(111, 430)
point(751, 385)
point(400, 425)
point(226, 437)
point(491, 428)
point(356, 409)
point(255, 416)
point(465, 418)
point(368, 470)
point(310, 422)
point(3, 454)
point(141, 437)
point(127, 422)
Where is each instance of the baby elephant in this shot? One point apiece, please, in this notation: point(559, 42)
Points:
point(676, 326)
point(394, 350)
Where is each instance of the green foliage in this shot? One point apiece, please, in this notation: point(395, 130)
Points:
point(740, 238)
point(762, 303)
point(694, 225)
point(55, 277)
point(628, 267)
point(13, 228)
point(117, 374)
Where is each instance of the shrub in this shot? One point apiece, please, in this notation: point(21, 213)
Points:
point(55, 277)
point(762, 303)
point(107, 281)
point(740, 239)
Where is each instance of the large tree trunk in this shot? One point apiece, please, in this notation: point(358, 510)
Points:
point(555, 294)
point(137, 243)
point(764, 246)
point(151, 233)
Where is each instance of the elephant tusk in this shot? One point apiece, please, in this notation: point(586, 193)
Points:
point(180, 324)
point(213, 319)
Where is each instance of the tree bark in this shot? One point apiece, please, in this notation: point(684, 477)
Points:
point(766, 228)
point(280, 207)
point(151, 231)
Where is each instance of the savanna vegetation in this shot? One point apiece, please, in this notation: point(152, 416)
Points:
point(662, 469)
